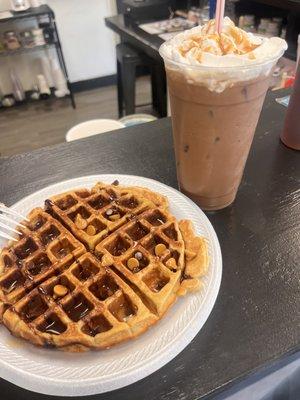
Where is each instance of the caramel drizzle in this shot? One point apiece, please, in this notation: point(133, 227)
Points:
point(235, 41)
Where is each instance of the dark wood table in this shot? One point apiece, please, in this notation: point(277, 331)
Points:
point(254, 325)
point(138, 38)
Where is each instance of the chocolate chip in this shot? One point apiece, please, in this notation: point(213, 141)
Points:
point(48, 204)
point(186, 148)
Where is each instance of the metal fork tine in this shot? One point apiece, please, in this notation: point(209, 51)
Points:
point(6, 236)
point(8, 228)
point(6, 218)
point(7, 210)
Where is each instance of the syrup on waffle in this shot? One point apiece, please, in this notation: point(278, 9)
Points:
point(45, 248)
point(148, 252)
point(79, 278)
point(97, 309)
point(92, 214)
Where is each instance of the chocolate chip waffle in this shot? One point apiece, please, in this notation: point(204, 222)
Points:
point(62, 286)
point(148, 252)
point(92, 214)
point(44, 249)
point(95, 310)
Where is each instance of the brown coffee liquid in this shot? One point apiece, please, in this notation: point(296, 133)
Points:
point(213, 133)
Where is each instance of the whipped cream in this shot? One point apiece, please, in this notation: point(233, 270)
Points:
point(203, 47)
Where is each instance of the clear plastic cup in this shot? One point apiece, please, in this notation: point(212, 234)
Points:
point(214, 112)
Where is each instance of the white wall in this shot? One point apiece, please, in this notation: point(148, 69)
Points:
point(88, 46)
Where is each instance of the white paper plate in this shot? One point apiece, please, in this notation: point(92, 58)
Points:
point(58, 373)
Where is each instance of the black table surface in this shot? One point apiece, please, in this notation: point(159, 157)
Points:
point(255, 322)
point(136, 36)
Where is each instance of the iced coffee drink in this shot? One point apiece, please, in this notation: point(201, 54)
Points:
point(217, 85)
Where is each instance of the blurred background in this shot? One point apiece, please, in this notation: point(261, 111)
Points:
point(73, 68)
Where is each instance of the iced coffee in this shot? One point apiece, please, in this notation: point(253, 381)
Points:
point(217, 85)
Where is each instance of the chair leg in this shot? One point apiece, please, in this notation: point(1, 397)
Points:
point(120, 90)
point(159, 80)
point(128, 84)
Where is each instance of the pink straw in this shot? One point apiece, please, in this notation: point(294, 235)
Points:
point(220, 15)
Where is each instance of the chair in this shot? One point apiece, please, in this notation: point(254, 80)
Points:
point(91, 128)
point(128, 59)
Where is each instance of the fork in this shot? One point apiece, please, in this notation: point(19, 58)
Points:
point(8, 215)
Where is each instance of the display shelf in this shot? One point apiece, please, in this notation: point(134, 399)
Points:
point(291, 5)
point(28, 101)
point(22, 50)
point(37, 12)
point(30, 13)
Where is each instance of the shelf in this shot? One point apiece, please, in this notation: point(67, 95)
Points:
point(29, 102)
point(291, 5)
point(22, 50)
point(46, 11)
point(30, 13)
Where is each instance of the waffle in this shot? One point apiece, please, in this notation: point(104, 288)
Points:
point(92, 214)
point(44, 249)
point(155, 277)
point(63, 287)
point(98, 310)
